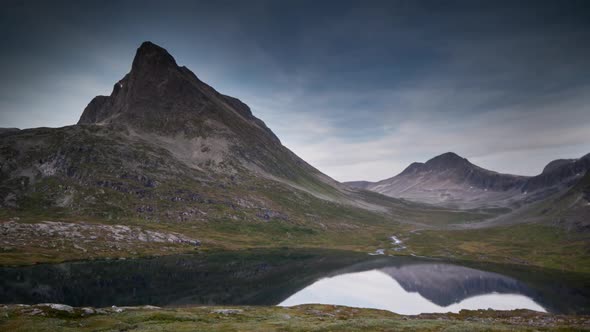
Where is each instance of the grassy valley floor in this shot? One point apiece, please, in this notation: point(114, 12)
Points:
point(31, 241)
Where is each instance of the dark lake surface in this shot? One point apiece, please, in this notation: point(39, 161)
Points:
point(403, 285)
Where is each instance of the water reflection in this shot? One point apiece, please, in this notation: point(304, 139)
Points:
point(445, 284)
point(270, 277)
point(404, 290)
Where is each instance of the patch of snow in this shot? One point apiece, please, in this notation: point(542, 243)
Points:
point(395, 240)
point(378, 252)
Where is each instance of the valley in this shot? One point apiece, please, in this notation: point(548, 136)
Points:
point(168, 178)
point(214, 173)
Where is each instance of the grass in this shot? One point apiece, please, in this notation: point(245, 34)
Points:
point(356, 230)
point(300, 318)
point(527, 244)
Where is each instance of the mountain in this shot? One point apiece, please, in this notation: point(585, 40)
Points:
point(165, 152)
point(8, 130)
point(451, 180)
point(161, 135)
point(559, 173)
point(555, 164)
point(166, 164)
point(168, 105)
point(569, 209)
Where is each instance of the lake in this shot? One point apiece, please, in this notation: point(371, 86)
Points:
point(404, 285)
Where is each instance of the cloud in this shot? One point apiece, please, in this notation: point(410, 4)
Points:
point(358, 91)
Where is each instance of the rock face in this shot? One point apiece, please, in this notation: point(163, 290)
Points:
point(451, 180)
point(571, 209)
point(555, 164)
point(160, 99)
point(558, 172)
point(159, 96)
point(164, 146)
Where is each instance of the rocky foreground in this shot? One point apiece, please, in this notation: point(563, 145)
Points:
point(59, 317)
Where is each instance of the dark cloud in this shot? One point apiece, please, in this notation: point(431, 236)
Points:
point(502, 82)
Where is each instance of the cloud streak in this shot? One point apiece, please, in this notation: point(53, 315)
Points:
point(359, 90)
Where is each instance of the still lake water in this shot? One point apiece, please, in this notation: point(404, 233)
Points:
point(384, 289)
point(290, 277)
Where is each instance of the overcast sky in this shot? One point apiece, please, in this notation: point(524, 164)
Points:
point(359, 89)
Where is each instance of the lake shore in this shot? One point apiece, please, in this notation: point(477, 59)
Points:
point(52, 317)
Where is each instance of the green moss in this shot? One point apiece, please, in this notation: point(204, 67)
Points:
point(300, 318)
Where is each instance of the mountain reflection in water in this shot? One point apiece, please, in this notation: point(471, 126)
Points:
point(419, 288)
point(288, 277)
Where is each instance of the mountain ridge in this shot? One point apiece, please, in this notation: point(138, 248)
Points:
point(451, 180)
point(164, 136)
point(168, 105)
point(167, 154)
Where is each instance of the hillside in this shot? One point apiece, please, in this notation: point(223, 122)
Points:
point(166, 164)
point(166, 153)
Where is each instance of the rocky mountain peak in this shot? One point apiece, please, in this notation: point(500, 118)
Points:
point(161, 101)
point(150, 56)
point(158, 96)
point(446, 161)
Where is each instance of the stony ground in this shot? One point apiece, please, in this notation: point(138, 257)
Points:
point(57, 317)
point(43, 240)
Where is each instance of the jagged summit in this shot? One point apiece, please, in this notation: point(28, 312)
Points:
point(161, 97)
point(151, 56)
point(164, 136)
point(167, 104)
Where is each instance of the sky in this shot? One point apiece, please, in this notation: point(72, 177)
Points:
point(359, 89)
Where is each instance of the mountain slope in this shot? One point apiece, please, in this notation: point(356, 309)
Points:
point(165, 152)
point(160, 127)
point(568, 209)
point(166, 162)
point(169, 106)
point(451, 180)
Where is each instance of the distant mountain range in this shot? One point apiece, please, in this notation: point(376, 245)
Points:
point(453, 181)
